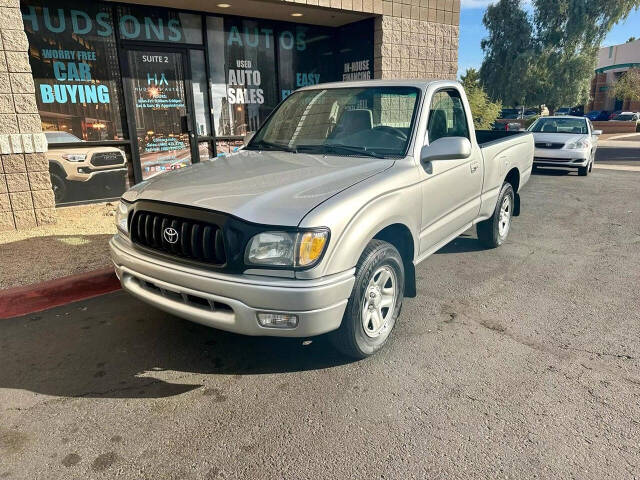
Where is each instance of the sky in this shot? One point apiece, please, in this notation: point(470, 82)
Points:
point(472, 32)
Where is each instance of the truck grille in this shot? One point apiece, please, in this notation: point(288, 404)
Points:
point(103, 159)
point(195, 240)
point(549, 145)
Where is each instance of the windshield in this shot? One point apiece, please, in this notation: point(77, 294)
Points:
point(577, 126)
point(362, 121)
point(624, 118)
point(61, 137)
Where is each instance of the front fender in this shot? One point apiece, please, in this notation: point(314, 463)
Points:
point(356, 223)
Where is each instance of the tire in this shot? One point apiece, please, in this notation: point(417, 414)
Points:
point(59, 187)
point(591, 166)
point(494, 231)
point(583, 171)
point(380, 265)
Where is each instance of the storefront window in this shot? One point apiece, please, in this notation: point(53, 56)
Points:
point(200, 92)
point(307, 56)
point(73, 56)
point(355, 57)
point(90, 60)
point(158, 25)
point(75, 67)
point(243, 73)
point(157, 84)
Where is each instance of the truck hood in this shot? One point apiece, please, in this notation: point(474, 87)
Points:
point(275, 188)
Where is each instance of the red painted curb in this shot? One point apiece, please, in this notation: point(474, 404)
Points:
point(19, 301)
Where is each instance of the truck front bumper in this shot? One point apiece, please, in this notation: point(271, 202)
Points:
point(232, 302)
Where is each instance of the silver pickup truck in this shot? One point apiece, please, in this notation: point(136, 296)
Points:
point(317, 225)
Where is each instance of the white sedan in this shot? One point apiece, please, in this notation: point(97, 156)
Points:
point(568, 142)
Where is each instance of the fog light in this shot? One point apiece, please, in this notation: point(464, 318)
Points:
point(278, 320)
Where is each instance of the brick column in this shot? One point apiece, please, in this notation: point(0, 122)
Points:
point(419, 39)
point(26, 198)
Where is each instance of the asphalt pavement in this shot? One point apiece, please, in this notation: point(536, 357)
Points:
point(519, 362)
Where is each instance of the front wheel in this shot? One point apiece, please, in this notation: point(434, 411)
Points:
point(375, 301)
point(494, 231)
point(59, 187)
point(583, 171)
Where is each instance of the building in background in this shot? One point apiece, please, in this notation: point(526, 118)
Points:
point(122, 92)
point(613, 62)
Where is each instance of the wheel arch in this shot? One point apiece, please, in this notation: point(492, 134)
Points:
point(513, 178)
point(399, 235)
point(57, 168)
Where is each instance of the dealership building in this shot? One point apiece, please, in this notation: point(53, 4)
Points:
point(613, 62)
point(97, 96)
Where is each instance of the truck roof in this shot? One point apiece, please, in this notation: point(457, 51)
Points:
point(421, 84)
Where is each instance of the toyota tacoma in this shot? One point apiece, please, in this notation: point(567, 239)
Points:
point(318, 223)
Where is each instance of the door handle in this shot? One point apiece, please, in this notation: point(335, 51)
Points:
point(474, 167)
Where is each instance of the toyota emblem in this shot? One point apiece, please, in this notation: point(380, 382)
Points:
point(170, 235)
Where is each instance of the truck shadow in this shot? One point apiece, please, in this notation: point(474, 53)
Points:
point(114, 346)
point(465, 243)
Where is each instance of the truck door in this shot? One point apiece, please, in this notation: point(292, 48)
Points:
point(450, 188)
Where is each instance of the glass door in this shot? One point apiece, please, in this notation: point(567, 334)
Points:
point(160, 102)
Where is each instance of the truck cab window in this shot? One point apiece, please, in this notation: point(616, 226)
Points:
point(447, 117)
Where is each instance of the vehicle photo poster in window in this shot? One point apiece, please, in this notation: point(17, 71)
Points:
point(74, 60)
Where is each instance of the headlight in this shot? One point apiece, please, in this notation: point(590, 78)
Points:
point(287, 249)
point(75, 157)
point(580, 144)
point(122, 216)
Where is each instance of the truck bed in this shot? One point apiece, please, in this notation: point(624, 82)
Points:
point(487, 136)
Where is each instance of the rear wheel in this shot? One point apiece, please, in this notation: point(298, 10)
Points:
point(375, 301)
point(494, 231)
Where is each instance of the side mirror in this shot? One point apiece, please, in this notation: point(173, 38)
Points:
point(597, 132)
point(446, 148)
point(247, 138)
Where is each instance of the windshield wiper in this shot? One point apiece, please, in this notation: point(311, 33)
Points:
point(264, 145)
point(338, 147)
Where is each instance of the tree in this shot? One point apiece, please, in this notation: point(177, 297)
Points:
point(509, 49)
point(483, 110)
point(628, 86)
point(631, 39)
point(568, 36)
point(549, 56)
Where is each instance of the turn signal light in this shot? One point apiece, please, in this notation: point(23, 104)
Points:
point(311, 247)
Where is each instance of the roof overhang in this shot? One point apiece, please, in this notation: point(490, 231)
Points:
point(267, 9)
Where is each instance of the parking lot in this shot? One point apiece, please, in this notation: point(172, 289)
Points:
point(520, 362)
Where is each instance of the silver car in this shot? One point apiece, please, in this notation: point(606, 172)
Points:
point(568, 142)
point(318, 224)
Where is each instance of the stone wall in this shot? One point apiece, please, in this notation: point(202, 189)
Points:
point(26, 198)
